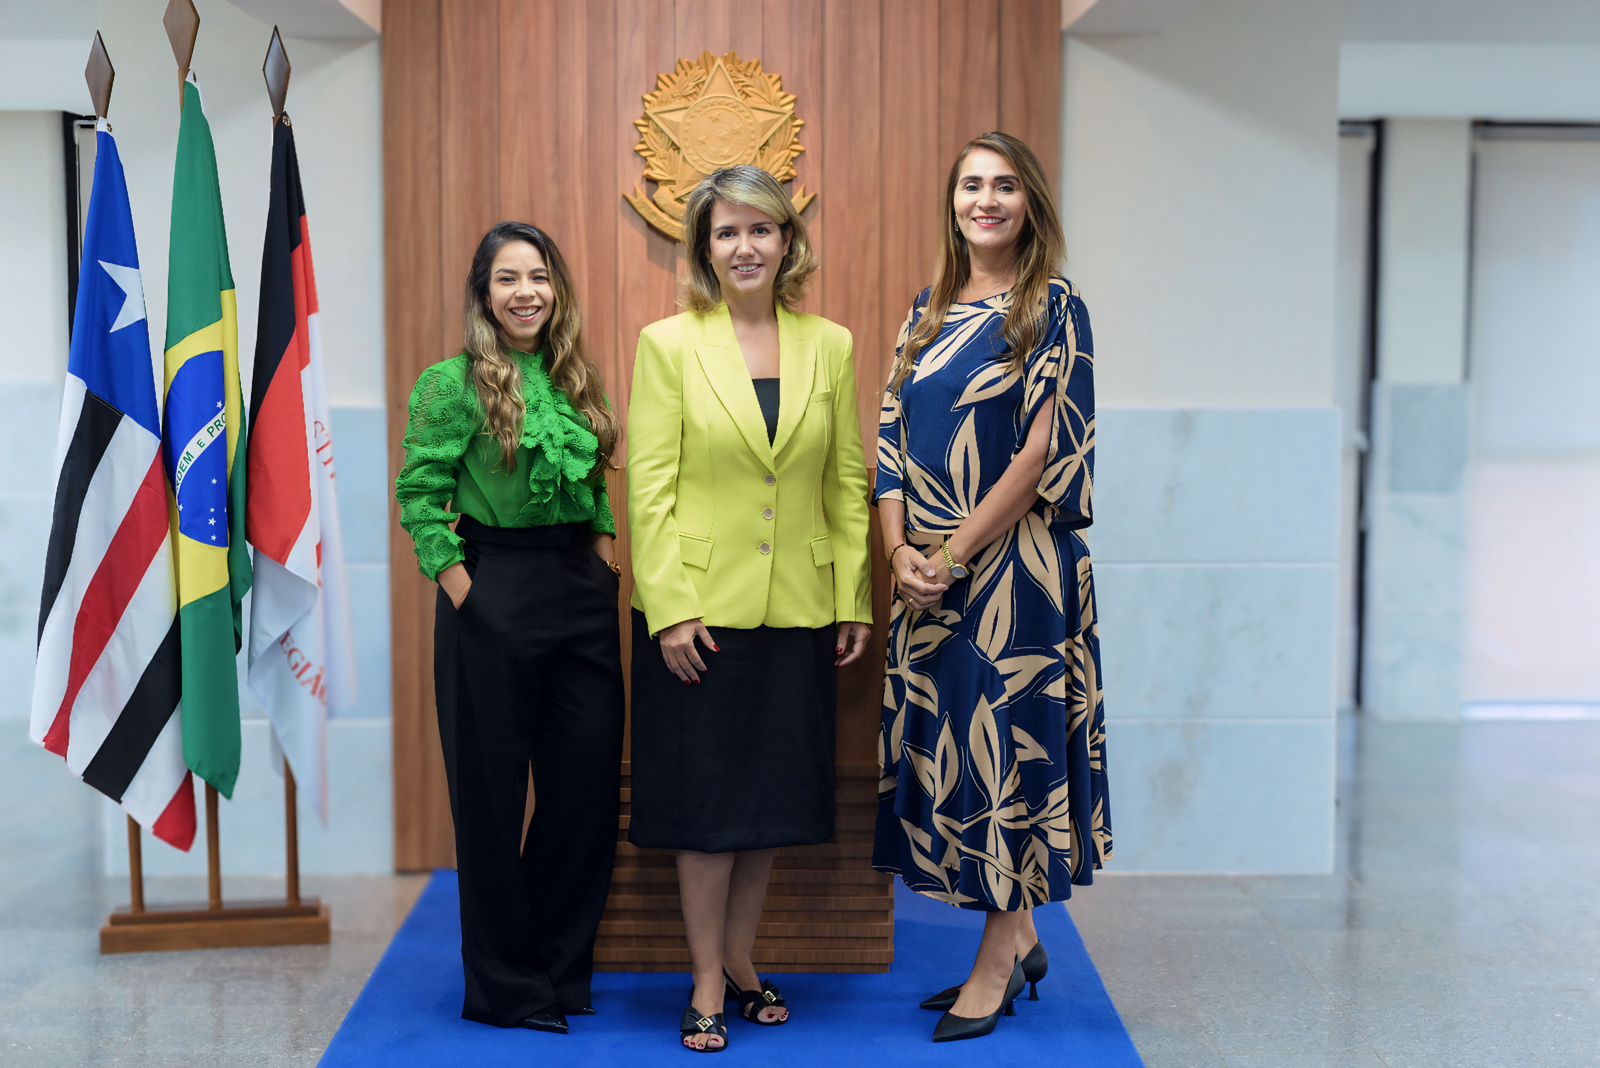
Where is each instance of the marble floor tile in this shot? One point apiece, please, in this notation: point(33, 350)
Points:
point(1460, 927)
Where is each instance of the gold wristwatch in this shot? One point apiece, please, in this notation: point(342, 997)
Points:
point(957, 570)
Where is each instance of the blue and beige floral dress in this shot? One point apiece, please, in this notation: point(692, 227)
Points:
point(992, 792)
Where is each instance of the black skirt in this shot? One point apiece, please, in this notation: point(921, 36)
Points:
point(745, 759)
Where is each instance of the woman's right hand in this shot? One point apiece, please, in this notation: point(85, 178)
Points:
point(913, 577)
point(456, 583)
point(679, 651)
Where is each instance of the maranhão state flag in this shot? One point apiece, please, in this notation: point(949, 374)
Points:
point(301, 664)
point(204, 435)
point(106, 683)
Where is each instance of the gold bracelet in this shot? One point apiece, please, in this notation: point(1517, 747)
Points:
point(616, 568)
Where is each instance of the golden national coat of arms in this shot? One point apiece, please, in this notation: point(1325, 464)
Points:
point(710, 113)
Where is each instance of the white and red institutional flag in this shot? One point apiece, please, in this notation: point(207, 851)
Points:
point(107, 680)
point(301, 661)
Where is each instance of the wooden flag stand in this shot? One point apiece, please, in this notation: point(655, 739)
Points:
point(292, 920)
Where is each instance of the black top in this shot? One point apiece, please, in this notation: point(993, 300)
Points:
point(767, 397)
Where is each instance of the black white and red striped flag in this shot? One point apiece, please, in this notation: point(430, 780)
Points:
point(301, 664)
point(106, 682)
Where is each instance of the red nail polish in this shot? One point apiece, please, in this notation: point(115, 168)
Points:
point(838, 650)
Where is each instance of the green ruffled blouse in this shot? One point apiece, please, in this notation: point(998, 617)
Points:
point(451, 461)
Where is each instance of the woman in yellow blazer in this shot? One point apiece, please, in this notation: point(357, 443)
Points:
point(747, 504)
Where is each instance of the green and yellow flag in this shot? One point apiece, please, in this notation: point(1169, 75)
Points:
point(203, 432)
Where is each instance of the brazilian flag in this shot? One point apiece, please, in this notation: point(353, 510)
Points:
point(203, 437)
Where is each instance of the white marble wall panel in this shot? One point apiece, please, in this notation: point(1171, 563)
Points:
point(1216, 550)
point(1241, 641)
point(1427, 447)
point(362, 443)
point(369, 603)
point(1413, 636)
point(28, 431)
point(1222, 796)
point(358, 839)
point(1210, 486)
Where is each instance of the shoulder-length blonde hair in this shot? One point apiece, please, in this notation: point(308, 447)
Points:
point(1040, 253)
point(754, 188)
point(495, 374)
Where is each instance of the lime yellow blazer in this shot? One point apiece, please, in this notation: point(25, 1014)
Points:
point(725, 526)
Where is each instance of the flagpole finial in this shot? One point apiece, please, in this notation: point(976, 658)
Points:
point(182, 23)
point(275, 69)
point(100, 75)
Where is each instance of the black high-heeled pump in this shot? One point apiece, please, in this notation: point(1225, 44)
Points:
point(953, 1028)
point(1034, 968)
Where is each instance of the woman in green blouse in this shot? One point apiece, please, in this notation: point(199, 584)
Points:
point(513, 437)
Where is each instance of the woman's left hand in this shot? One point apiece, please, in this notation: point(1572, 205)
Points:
point(851, 644)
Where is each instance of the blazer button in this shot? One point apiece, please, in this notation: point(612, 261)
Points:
point(766, 549)
point(766, 513)
point(771, 480)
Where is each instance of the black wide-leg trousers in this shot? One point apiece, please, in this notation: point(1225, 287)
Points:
point(528, 672)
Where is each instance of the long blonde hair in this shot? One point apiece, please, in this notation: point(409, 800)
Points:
point(495, 374)
point(754, 188)
point(1040, 255)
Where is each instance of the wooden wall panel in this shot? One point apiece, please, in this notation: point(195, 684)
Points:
point(412, 161)
point(969, 73)
point(645, 265)
point(1030, 78)
point(527, 114)
point(914, 171)
point(792, 48)
point(470, 140)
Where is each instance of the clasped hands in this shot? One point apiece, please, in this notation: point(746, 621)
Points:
point(920, 581)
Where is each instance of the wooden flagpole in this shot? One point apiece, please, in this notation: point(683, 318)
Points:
point(289, 921)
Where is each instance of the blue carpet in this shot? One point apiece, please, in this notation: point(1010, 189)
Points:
point(408, 1014)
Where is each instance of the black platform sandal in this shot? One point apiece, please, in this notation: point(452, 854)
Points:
point(694, 1024)
point(751, 1002)
point(1035, 966)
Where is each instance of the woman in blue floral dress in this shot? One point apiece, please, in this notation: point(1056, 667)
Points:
point(993, 790)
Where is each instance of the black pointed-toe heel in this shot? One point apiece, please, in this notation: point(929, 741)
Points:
point(1035, 966)
point(953, 1028)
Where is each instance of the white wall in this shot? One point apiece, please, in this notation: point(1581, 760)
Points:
point(1200, 179)
point(1412, 664)
point(1533, 490)
point(1200, 176)
point(1550, 82)
point(33, 251)
point(335, 102)
point(1425, 197)
point(1350, 348)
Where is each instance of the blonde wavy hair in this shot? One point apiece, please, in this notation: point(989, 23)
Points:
point(1041, 251)
point(495, 374)
point(754, 188)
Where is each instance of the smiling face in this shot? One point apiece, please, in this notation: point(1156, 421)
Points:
point(521, 296)
point(746, 249)
point(991, 208)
